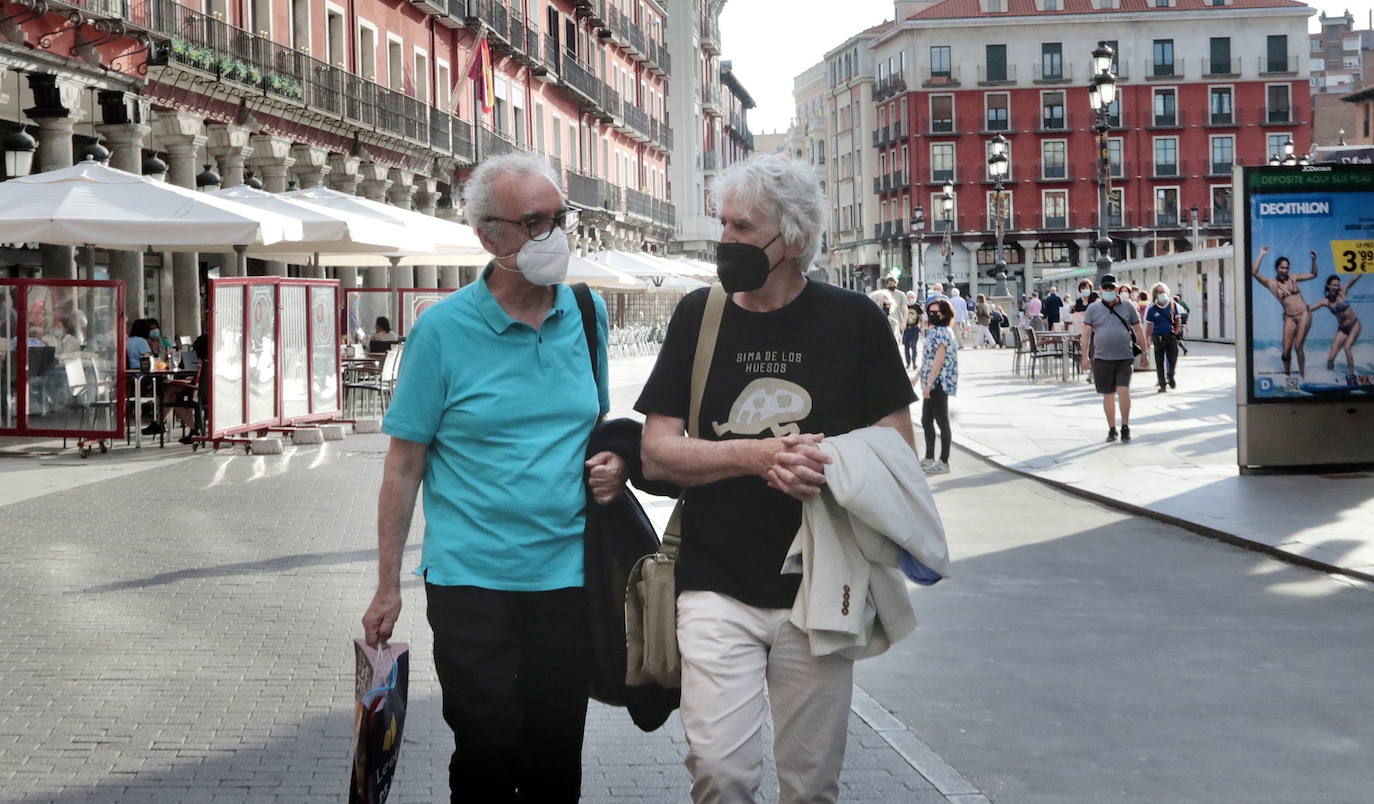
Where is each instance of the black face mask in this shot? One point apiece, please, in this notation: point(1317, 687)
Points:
point(743, 267)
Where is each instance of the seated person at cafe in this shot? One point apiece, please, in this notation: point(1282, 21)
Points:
point(382, 337)
point(137, 345)
point(180, 396)
point(160, 345)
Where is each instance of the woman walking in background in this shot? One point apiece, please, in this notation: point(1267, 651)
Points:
point(939, 378)
point(1165, 325)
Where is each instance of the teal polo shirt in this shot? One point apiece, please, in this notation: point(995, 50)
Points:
point(506, 412)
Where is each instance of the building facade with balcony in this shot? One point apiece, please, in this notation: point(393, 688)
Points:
point(736, 141)
point(853, 232)
point(808, 139)
point(369, 97)
point(1342, 63)
point(1202, 87)
point(699, 98)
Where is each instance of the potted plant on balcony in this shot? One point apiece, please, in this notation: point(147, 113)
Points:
point(200, 57)
point(285, 86)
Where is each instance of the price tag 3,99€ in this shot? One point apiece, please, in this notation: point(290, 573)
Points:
point(1353, 256)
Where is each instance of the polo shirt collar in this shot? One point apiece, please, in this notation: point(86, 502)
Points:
point(498, 319)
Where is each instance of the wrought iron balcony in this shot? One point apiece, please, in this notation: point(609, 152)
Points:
point(665, 214)
point(638, 204)
point(1283, 65)
point(996, 74)
point(1222, 67)
point(889, 87)
point(710, 36)
point(940, 78)
point(584, 190)
point(495, 143)
point(1053, 73)
point(636, 119)
point(611, 198)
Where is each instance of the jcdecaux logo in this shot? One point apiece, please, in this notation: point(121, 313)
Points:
point(1306, 207)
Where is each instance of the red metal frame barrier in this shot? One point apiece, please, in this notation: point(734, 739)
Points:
point(274, 354)
point(62, 358)
point(413, 301)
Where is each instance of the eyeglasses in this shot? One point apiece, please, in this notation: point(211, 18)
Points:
point(539, 227)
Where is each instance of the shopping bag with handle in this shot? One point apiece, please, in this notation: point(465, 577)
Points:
point(380, 684)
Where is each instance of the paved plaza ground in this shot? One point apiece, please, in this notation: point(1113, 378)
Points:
point(176, 627)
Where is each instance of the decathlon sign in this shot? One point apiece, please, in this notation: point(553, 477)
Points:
point(1305, 208)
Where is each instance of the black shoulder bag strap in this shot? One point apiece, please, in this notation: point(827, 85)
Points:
point(1135, 347)
point(587, 307)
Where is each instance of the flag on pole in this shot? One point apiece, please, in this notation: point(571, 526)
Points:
point(481, 72)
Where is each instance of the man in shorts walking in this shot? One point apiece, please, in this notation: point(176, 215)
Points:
point(1109, 327)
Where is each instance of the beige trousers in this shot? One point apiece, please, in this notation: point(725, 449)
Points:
point(729, 651)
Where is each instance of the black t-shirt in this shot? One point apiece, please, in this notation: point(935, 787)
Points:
point(825, 363)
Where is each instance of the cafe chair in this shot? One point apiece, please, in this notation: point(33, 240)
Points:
point(1035, 352)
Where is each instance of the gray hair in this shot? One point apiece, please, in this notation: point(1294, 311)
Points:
point(779, 187)
point(478, 203)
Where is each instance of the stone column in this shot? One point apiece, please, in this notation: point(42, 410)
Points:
point(182, 134)
point(312, 165)
point(426, 203)
point(401, 195)
point(343, 176)
point(56, 107)
point(271, 163)
point(126, 153)
point(450, 276)
point(1027, 269)
point(228, 145)
point(374, 188)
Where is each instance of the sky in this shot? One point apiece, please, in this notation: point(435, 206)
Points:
point(769, 49)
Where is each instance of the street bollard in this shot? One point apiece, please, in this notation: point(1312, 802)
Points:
point(271, 445)
point(307, 435)
point(332, 432)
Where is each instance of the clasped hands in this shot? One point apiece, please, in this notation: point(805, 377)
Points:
point(796, 465)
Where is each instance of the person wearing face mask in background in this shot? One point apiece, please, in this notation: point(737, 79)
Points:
point(493, 411)
point(1111, 334)
point(939, 379)
point(1165, 325)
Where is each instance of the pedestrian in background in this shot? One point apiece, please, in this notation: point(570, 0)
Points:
point(1165, 324)
point(911, 336)
point(1052, 308)
point(493, 411)
point(1110, 325)
point(1032, 312)
point(961, 316)
point(937, 291)
point(939, 379)
point(746, 478)
point(996, 323)
point(982, 318)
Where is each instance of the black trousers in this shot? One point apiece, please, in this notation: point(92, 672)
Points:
point(1166, 345)
point(910, 337)
point(935, 411)
point(513, 670)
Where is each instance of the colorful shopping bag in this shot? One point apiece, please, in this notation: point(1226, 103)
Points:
point(381, 683)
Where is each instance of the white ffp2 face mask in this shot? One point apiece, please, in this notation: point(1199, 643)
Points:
point(545, 262)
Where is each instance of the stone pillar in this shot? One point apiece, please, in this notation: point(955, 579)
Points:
point(1027, 269)
point(230, 147)
point(343, 173)
point(426, 203)
point(126, 153)
point(374, 187)
point(271, 163)
point(450, 276)
point(312, 165)
point(182, 134)
point(401, 195)
point(56, 107)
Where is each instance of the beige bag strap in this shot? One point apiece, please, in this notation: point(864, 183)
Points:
point(701, 367)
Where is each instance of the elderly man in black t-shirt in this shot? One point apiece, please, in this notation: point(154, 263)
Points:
point(795, 361)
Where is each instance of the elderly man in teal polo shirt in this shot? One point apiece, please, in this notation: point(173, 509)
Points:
point(493, 411)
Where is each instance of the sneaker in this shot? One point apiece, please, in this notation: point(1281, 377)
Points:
point(937, 468)
point(1111, 434)
point(1125, 432)
point(926, 463)
point(1172, 384)
point(189, 438)
point(1163, 388)
point(153, 429)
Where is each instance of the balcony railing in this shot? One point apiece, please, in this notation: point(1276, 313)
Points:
point(234, 56)
point(638, 204)
point(1164, 69)
point(1222, 119)
point(710, 160)
point(1288, 65)
point(940, 78)
point(495, 143)
point(1222, 168)
point(1006, 75)
point(890, 86)
point(584, 190)
point(611, 198)
point(1212, 67)
point(1166, 219)
point(665, 214)
point(636, 119)
point(1053, 74)
point(710, 36)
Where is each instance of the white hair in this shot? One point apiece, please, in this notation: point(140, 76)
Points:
point(478, 201)
point(1160, 286)
point(782, 188)
point(954, 291)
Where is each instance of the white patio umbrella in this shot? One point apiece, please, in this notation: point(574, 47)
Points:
point(643, 266)
point(324, 230)
point(679, 267)
point(93, 205)
point(437, 241)
point(602, 276)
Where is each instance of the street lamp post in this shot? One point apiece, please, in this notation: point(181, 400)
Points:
point(918, 232)
point(1101, 95)
point(997, 167)
point(947, 208)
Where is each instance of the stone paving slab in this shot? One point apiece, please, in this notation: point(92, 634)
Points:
point(182, 634)
point(1180, 466)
